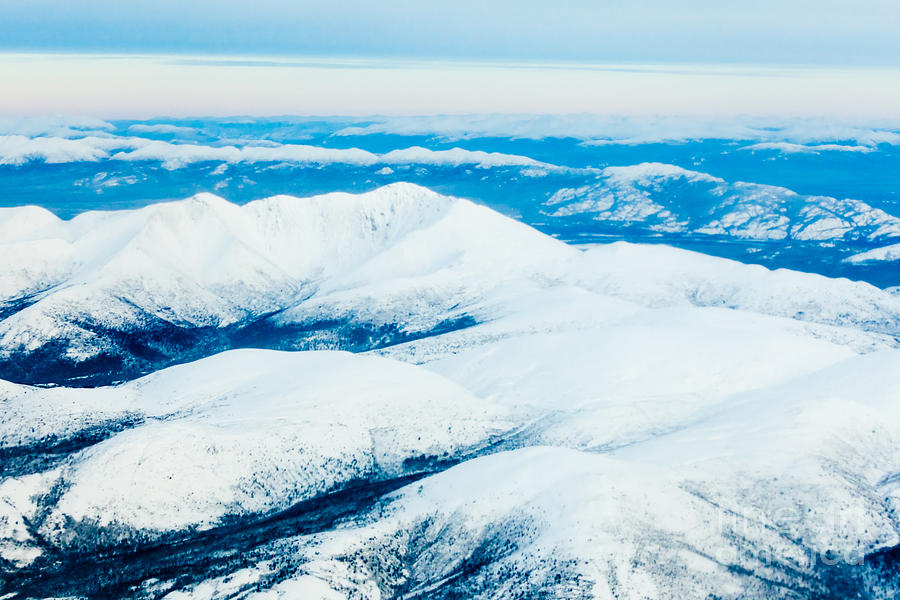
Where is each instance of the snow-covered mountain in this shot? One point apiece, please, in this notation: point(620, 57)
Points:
point(519, 418)
point(667, 199)
point(111, 295)
point(688, 182)
point(884, 254)
point(242, 433)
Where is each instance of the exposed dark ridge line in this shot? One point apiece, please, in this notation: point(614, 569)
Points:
point(890, 479)
point(479, 558)
point(482, 568)
point(379, 336)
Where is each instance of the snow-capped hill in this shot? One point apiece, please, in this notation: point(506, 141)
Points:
point(23, 223)
point(243, 433)
point(656, 275)
point(787, 491)
point(475, 334)
point(653, 173)
point(223, 442)
point(211, 240)
point(206, 263)
point(112, 295)
point(20, 150)
point(665, 198)
point(883, 254)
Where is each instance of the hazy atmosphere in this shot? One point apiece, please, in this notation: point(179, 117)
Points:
point(145, 59)
point(805, 32)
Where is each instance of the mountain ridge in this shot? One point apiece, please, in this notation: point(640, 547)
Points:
point(131, 291)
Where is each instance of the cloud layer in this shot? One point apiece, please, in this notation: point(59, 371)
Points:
point(603, 130)
point(20, 149)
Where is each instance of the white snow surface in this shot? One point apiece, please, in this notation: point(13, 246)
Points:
point(244, 432)
point(649, 422)
point(883, 254)
point(398, 255)
point(746, 500)
point(671, 199)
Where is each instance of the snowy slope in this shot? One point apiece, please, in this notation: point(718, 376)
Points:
point(112, 295)
point(522, 417)
point(698, 418)
point(779, 494)
point(242, 416)
point(184, 266)
point(665, 198)
point(883, 254)
point(244, 433)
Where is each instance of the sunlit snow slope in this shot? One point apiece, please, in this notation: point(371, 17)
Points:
point(516, 417)
point(111, 295)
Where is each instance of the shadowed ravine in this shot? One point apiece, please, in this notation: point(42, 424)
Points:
point(188, 558)
point(158, 344)
point(112, 568)
point(178, 560)
point(152, 571)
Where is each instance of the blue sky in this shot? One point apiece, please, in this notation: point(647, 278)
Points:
point(811, 32)
point(141, 58)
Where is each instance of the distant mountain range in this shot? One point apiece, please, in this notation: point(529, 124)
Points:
point(800, 194)
point(668, 199)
